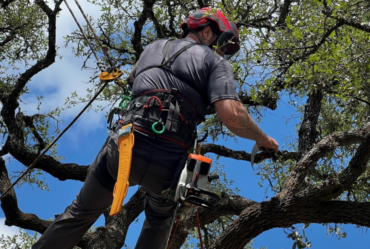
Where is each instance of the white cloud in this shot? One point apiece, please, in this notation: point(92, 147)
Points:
point(21, 240)
point(65, 76)
point(7, 231)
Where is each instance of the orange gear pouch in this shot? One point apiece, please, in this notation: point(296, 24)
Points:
point(125, 145)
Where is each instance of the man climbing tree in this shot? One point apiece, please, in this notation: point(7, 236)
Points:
point(174, 82)
point(306, 58)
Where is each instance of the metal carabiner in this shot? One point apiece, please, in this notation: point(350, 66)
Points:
point(124, 101)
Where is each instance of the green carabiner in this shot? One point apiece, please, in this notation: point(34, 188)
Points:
point(156, 131)
point(124, 101)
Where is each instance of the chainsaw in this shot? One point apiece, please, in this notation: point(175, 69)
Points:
point(193, 189)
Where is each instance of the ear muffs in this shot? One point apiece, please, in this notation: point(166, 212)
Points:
point(228, 42)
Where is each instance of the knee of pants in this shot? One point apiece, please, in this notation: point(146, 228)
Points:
point(101, 171)
point(160, 208)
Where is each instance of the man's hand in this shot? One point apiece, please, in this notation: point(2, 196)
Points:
point(268, 143)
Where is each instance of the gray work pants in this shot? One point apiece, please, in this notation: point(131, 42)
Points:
point(94, 197)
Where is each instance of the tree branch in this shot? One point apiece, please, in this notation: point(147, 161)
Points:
point(161, 29)
point(347, 22)
point(229, 205)
point(29, 123)
point(9, 204)
point(12, 99)
point(305, 55)
point(284, 11)
point(263, 216)
point(139, 24)
point(242, 155)
point(297, 179)
point(5, 3)
point(307, 133)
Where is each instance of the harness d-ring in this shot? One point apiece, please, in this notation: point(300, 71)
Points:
point(159, 132)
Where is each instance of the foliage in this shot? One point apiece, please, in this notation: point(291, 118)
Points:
point(22, 240)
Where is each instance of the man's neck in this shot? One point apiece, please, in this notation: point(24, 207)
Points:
point(193, 37)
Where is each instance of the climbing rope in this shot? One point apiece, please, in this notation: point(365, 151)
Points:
point(93, 31)
point(199, 231)
point(81, 30)
point(173, 232)
point(104, 77)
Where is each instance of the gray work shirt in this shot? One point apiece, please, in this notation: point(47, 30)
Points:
point(201, 76)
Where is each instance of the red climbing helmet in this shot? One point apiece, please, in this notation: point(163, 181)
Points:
point(228, 32)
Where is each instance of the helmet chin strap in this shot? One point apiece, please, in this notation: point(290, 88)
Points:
point(198, 36)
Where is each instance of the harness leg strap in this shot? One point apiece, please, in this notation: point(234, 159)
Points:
point(125, 145)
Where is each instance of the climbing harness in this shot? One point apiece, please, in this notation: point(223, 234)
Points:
point(105, 78)
point(192, 191)
point(163, 102)
point(164, 114)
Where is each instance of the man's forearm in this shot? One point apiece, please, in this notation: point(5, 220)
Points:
point(238, 121)
point(243, 125)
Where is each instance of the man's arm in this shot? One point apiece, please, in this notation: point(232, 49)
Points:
point(233, 114)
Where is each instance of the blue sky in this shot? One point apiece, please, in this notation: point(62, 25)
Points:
point(82, 142)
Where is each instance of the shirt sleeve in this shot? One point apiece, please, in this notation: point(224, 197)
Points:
point(221, 83)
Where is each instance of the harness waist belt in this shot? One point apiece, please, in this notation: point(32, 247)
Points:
point(163, 113)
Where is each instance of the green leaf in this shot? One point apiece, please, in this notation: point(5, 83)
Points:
point(297, 33)
point(315, 68)
point(332, 34)
point(330, 155)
